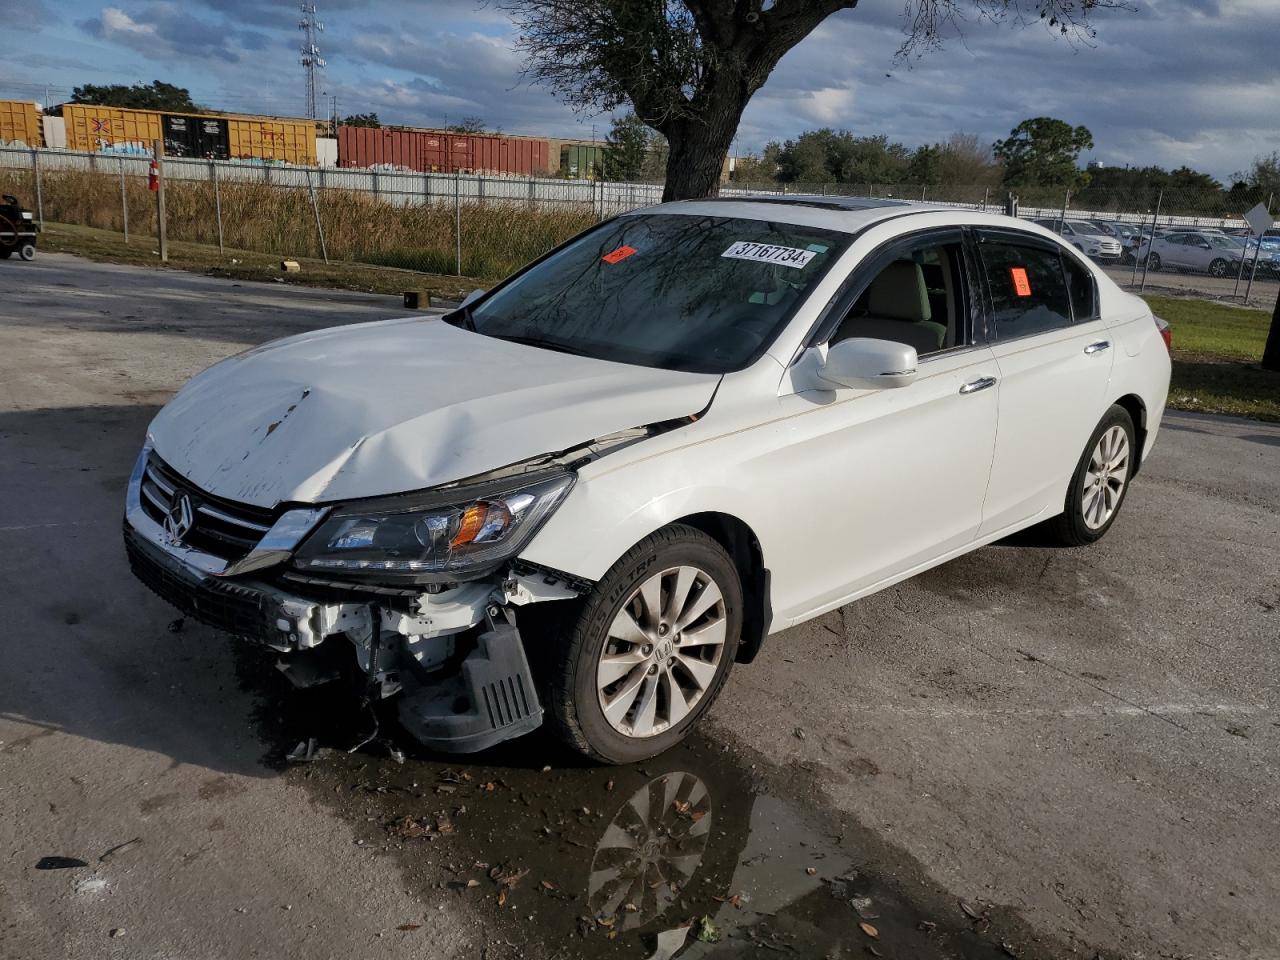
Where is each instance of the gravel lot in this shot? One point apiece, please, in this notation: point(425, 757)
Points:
point(1261, 297)
point(1028, 751)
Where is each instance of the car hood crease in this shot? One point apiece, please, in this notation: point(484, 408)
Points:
point(399, 405)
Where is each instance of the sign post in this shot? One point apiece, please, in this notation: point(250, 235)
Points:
point(1259, 219)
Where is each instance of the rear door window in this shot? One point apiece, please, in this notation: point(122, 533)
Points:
point(1028, 287)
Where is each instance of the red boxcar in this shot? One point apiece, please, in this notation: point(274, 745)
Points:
point(442, 152)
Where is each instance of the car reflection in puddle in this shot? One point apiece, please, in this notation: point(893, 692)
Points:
point(686, 854)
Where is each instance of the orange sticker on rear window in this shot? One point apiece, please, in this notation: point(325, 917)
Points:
point(614, 256)
point(1021, 285)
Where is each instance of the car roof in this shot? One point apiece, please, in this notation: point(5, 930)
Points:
point(834, 213)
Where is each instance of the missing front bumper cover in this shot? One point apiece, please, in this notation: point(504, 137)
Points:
point(488, 699)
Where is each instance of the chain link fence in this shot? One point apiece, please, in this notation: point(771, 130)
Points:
point(484, 227)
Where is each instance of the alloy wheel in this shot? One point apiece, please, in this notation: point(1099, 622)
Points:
point(662, 652)
point(1105, 478)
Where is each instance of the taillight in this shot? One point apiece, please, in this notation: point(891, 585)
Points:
point(1165, 333)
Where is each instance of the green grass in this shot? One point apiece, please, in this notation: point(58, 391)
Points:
point(1216, 353)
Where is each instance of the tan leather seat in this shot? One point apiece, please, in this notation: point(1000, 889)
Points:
point(898, 310)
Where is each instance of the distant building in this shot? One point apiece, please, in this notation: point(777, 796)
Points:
point(1095, 165)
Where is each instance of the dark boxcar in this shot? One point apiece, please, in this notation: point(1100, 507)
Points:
point(189, 136)
point(441, 152)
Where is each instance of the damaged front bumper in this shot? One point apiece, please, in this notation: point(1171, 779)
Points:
point(455, 657)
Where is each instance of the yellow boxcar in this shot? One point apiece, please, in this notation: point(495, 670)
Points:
point(20, 123)
point(117, 130)
point(221, 136)
point(270, 138)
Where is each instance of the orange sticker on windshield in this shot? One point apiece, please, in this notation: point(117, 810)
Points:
point(615, 256)
point(1021, 285)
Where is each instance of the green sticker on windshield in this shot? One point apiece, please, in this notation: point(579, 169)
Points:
point(818, 247)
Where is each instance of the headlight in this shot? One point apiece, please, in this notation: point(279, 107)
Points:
point(447, 535)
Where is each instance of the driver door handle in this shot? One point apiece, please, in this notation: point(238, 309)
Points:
point(1098, 346)
point(982, 383)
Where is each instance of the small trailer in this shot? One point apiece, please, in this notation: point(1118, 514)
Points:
point(17, 229)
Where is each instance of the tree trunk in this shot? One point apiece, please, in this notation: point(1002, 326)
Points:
point(1271, 352)
point(697, 151)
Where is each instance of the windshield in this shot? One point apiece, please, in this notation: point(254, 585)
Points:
point(1080, 226)
point(697, 293)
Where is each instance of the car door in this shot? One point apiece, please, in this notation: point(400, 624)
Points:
point(1177, 250)
point(1054, 356)
point(886, 480)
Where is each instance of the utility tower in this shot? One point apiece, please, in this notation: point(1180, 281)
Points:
point(311, 29)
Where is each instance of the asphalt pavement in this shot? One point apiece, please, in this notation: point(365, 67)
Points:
point(1028, 752)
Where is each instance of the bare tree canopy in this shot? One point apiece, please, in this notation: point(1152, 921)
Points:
point(689, 67)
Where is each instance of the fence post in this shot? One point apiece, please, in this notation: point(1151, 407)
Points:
point(457, 221)
point(986, 195)
point(315, 208)
point(923, 188)
point(162, 232)
point(217, 203)
point(1066, 202)
point(124, 202)
point(35, 172)
point(1146, 262)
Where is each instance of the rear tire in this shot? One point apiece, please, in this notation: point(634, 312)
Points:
point(1100, 482)
point(670, 671)
point(1153, 263)
point(4, 254)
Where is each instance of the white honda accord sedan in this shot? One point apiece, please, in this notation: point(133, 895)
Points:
point(583, 496)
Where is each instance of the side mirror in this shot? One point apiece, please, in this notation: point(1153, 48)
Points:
point(472, 297)
point(867, 364)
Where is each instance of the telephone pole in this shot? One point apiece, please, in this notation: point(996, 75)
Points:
point(311, 29)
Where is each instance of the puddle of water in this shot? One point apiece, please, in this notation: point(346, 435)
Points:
point(581, 861)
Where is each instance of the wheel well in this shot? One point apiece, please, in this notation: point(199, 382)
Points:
point(743, 547)
point(1137, 411)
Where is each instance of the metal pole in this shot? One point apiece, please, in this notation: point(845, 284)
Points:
point(1066, 202)
point(986, 195)
point(124, 202)
point(457, 221)
point(1146, 263)
point(315, 208)
point(217, 203)
point(35, 172)
point(1243, 257)
point(162, 231)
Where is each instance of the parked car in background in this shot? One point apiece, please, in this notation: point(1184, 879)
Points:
point(1085, 237)
point(1206, 251)
point(1127, 234)
point(587, 493)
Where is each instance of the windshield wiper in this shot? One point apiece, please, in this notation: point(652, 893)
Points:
point(544, 344)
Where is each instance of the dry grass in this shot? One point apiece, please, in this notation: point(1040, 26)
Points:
point(496, 238)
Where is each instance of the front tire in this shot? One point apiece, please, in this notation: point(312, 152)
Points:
point(650, 651)
point(1100, 483)
point(1218, 268)
point(27, 251)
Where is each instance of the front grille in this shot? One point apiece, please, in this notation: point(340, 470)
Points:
point(221, 527)
point(219, 603)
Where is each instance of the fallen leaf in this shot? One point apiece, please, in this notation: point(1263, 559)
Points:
point(409, 926)
point(547, 884)
point(706, 931)
point(869, 930)
point(811, 871)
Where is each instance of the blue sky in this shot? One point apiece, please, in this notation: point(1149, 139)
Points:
point(1170, 82)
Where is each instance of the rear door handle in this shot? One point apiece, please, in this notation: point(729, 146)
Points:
point(982, 383)
point(1098, 346)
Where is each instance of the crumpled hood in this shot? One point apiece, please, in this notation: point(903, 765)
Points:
point(398, 405)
